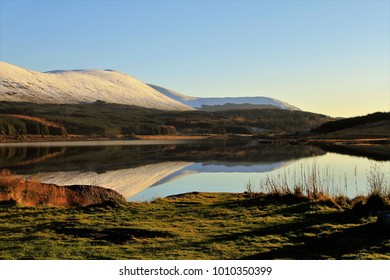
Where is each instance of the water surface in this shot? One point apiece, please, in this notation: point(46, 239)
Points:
point(147, 169)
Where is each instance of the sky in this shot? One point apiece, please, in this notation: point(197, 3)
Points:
point(324, 56)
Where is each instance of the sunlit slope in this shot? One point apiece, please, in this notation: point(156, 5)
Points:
point(80, 86)
point(87, 86)
point(372, 125)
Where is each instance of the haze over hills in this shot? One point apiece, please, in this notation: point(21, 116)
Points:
point(221, 103)
point(87, 86)
point(80, 86)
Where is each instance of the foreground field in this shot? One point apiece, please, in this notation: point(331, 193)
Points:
point(194, 226)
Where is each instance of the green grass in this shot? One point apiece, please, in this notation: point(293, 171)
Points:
point(193, 226)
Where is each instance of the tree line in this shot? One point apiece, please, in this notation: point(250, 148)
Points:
point(109, 120)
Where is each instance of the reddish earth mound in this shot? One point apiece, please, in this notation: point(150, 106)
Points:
point(31, 193)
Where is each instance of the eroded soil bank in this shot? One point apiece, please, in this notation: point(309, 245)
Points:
point(16, 190)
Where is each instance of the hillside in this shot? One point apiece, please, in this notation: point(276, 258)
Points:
point(366, 136)
point(80, 86)
point(17, 125)
point(371, 125)
point(225, 103)
point(102, 119)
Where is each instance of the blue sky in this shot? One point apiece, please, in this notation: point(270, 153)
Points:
point(325, 56)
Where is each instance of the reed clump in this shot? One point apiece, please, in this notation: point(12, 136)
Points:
point(318, 185)
point(306, 182)
point(378, 197)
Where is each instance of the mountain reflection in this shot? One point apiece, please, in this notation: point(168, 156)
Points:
point(130, 169)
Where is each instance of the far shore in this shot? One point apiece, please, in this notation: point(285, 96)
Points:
point(87, 138)
point(282, 139)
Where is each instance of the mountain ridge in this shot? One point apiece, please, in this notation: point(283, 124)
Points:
point(221, 102)
point(79, 86)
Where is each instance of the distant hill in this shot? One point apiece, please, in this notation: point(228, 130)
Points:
point(87, 86)
point(225, 103)
point(375, 124)
point(110, 104)
point(232, 106)
point(80, 86)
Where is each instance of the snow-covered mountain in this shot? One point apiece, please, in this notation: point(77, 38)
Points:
point(87, 86)
point(80, 86)
point(223, 102)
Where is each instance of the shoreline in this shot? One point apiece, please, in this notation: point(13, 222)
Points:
point(377, 148)
point(82, 138)
point(271, 139)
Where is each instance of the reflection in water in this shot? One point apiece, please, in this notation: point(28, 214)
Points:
point(19, 156)
point(142, 172)
point(127, 182)
point(100, 158)
point(220, 167)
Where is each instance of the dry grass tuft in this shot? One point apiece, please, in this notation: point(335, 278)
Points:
point(314, 184)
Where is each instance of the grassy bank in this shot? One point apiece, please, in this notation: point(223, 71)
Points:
point(287, 218)
point(194, 226)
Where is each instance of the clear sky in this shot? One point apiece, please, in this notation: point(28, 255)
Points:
point(325, 56)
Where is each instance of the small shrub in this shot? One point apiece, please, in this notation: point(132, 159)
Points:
point(376, 180)
point(343, 201)
point(5, 172)
point(375, 202)
point(298, 192)
point(250, 189)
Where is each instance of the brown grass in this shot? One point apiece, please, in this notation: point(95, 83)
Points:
point(36, 119)
point(32, 193)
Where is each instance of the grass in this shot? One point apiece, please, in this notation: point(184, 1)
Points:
point(295, 219)
point(193, 226)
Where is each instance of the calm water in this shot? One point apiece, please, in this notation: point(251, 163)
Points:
point(144, 170)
